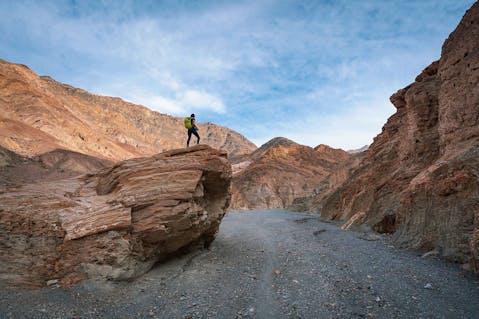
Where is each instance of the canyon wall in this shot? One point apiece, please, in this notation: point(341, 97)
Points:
point(420, 178)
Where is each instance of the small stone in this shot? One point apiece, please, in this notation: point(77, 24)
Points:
point(432, 253)
point(52, 282)
point(467, 266)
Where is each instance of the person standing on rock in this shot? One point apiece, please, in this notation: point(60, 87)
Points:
point(190, 124)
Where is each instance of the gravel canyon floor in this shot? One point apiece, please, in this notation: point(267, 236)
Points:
point(270, 264)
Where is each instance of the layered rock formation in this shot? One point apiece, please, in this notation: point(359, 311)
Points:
point(343, 170)
point(40, 115)
point(420, 177)
point(280, 171)
point(115, 223)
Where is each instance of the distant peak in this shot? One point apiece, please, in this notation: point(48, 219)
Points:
point(322, 147)
point(359, 150)
point(277, 141)
point(326, 148)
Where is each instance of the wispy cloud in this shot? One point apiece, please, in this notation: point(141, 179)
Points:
point(315, 71)
point(185, 102)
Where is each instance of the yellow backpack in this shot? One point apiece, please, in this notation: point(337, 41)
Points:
point(187, 121)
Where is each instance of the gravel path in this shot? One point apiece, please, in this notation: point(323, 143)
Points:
point(271, 264)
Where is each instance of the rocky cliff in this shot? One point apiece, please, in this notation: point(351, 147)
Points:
point(280, 171)
point(116, 223)
point(420, 177)
point(40, 115)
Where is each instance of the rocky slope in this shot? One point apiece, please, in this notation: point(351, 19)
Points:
point(342, 171)
point(116, 223)
point(40, 115)
point(420, 177)
point(280, 171)
point(58, 164)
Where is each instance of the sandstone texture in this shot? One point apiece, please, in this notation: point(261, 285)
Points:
point(280, 171)
point(115, 223)
point(420, 177)
point(40, 115)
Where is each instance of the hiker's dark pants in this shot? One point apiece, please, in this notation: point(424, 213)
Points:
point(195, 133)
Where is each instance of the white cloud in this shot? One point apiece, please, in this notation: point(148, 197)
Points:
point(320, 71)
point(348, 127)
point(185, 102)
point(157, 103)
point(201, 100)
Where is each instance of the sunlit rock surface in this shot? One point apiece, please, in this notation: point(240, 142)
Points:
point(116, 223)
point(40, 115)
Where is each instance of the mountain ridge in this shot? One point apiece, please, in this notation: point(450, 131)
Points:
point(42, 114)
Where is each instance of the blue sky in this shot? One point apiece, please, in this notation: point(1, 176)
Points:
point(313, 71)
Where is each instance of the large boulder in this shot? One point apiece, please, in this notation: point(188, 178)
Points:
point(116, 223)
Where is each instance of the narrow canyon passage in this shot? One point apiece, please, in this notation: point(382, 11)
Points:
point(271, 264)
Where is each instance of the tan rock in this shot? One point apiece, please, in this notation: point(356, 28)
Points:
point(115, 223)
point(40, 115)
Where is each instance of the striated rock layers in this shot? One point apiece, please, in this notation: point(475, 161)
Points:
point(420, 177)
point(280, 171)
point(40, 115)
point(115, 223)
point(344, 168)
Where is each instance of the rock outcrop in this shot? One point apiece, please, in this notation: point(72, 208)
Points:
point(280, 171)
point(116, 223)
point(420, 177)
point(40, 115)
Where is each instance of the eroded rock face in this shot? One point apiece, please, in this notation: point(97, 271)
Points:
point(280, 171)
point(40, 115)
point(420, 178)
point(344, 168)
point(116, 223)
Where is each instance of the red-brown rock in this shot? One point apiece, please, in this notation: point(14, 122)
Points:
point(279, 172)
point(115, 223)
point(420, 177)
